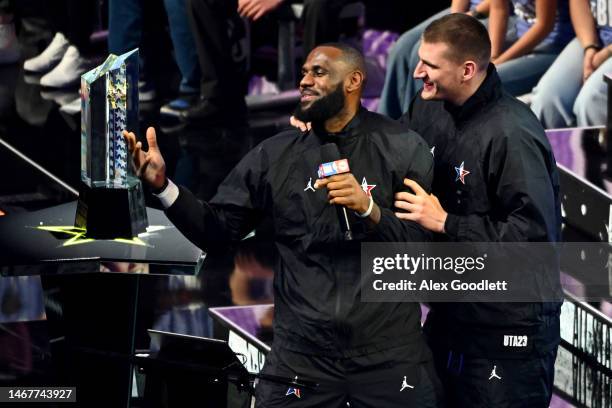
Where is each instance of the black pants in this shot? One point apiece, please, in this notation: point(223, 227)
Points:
point(501, 383)
point(218, 30)
point(321, 20)
point(76, 19)
point(5, 7)
point(389, 379)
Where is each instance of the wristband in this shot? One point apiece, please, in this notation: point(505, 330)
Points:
point(596, 47)
point(368, 211)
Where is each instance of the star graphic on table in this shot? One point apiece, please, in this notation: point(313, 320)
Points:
point(367, 188)
point(461, 173)
point(77, 236)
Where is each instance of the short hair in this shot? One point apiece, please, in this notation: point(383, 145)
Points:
point(352, 56)
point(466, 37)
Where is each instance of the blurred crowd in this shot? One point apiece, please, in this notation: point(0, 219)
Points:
point(553, 54)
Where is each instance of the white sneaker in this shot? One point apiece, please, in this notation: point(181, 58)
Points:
point(73, 107)
point(146, 92)
point(59, 96)
point(9, 49)
point(50, 57)
point(67, 72)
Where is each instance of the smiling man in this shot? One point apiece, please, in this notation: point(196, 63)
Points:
point(445, 72)
point(495, 180)
point(366, 354)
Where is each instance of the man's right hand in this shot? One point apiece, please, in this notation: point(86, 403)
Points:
point(149, 165)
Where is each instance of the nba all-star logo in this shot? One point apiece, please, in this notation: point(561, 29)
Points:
point(367, 188)
point(293, 391)
point(461, 173)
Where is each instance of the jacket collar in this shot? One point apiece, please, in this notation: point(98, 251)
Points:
point(489, 90)
point(347, 134)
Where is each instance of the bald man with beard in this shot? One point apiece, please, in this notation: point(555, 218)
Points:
point(365, 354)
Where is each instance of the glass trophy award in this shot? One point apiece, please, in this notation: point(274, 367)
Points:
point(111, 200)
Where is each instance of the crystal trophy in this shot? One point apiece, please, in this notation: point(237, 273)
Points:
point(111, 200)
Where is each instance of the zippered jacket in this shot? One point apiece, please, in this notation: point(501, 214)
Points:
point(317, 275)
point(496, 176)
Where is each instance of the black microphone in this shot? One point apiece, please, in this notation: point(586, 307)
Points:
point(330, 153)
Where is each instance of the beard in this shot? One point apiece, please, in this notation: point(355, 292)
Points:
point(322, 109)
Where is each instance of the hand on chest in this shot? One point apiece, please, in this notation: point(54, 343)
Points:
point(297, 194)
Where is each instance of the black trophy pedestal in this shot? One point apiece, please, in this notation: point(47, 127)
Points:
point(108, 213)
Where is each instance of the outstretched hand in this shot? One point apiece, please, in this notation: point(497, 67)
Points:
point(149, 165)
point(422, 208)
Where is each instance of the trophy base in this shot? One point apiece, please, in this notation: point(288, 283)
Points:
point(109, 213)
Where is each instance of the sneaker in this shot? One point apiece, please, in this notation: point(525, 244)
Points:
point(50, 57)
point(9, 48)
point(204, 110)
point(182, 103)
point(146, 91)
point(59, 96)
point(68, 71)
point(73, 107)
point(215, 112)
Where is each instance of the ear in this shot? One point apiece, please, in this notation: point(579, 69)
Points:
point(469, 70)
point(354, 81)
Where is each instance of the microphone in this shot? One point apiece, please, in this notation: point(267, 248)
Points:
point(332, 164)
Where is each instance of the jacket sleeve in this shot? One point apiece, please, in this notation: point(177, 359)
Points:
point(232, 213)
point(420, 169)
point(524, 195)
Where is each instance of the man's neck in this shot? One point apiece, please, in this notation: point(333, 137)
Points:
point(470, 89)
point(339, 122)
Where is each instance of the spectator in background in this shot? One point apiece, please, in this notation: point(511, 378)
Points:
point(69, 54)
point(572, 91)
point(218, 31)
point(186, 58)
point(543, 28)
point(9, 48)
point(321, 22)
point(126, 22)
point(400, 86)
point(129, 21)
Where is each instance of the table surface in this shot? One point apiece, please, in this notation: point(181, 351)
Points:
point(48, 235)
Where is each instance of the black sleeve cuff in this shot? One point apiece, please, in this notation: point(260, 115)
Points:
point(453, 227)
